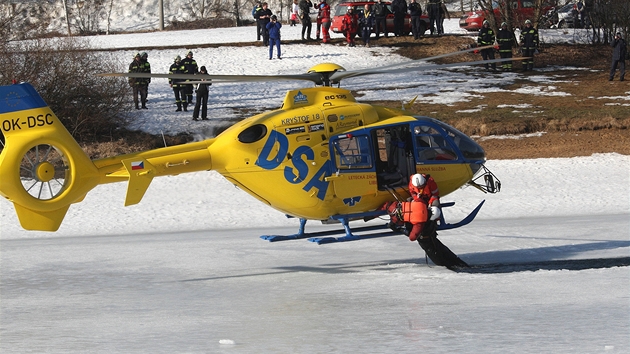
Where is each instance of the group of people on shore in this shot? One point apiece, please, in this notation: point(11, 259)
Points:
point(182, 88)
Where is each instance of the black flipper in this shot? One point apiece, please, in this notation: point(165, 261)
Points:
point(437, 251)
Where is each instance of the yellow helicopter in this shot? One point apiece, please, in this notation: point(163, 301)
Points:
point(321, 156)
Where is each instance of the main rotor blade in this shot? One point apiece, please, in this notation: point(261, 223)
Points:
point(336, 77)
point(313, 77)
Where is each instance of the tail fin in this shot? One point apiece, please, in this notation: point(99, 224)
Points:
point(42, 168)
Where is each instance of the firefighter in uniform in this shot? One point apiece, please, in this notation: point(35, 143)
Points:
point(506, 40)
point(326, 21)
point(529, 43)
point(178, 89)
point(486, 38)
point(190, 67)
point(139, 85)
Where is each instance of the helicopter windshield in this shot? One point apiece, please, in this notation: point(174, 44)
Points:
point(468, 147)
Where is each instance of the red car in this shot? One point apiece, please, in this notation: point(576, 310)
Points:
point(342, 8)
point(523, 10)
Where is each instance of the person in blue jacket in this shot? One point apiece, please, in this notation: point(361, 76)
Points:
point(273, 27)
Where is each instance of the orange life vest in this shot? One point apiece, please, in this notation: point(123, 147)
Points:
point(415, 212)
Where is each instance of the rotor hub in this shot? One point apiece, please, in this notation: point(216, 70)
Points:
point(45, 171)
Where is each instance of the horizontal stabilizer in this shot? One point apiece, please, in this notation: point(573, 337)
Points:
point(141, 173)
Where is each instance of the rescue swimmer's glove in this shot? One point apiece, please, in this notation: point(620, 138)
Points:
point(435, 213)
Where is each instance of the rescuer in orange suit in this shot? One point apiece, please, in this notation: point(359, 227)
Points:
point(424, 190)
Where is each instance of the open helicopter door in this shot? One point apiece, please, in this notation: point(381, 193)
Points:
point(394, 156)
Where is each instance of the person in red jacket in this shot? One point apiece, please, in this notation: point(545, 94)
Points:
point(326, 21)
point(423, 189)
point(350, 25)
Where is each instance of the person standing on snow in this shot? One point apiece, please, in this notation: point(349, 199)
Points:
point(620, 50)
point(305, 17)
point(273, 28)
point(190, 67)
point(138, 85)
point(201, 103)
point(326, 21)
point(350, 25)
point(178, 89)
point(264, 16)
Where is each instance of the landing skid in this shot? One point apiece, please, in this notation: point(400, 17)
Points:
point(318, 237)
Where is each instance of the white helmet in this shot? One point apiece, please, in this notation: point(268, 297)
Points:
point(418, 180)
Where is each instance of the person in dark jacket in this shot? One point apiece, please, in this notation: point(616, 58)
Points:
point(179, 89)
point(305, 17)
point(264, 16)
point(202, 97)
point(273, 28)
point(486, 38)
point(366, 23)
point(138, 85)
point(380, 17)
point(255, 10)
point(620, 50)
point(415, 11)
point(529, 44)
point(433, 10)
point(146, 68)
point(190, 67)
point(506, 40)
point(399, 8)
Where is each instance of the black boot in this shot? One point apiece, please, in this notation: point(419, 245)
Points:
point(179, 107)
point(144, 105)
point(137, 107)
point(185, 107)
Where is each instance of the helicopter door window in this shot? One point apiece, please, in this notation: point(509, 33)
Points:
point(431, 145)
point(352, 153)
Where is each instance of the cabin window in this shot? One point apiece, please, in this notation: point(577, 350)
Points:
point(353, 153)
point(431, 145)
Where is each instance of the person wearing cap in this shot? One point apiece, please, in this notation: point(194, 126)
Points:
point(201, 102)
point(264, 17)
point(138, 85)
point(529, 44)
point(190, 67)
point(506, 40)
point(179, 89)
point(485, 38)
point(350, 25)
point(273, 30)
point(620, 50)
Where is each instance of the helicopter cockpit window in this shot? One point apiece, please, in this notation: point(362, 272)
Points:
point(352, 153)
point(468, 147)
point(431, 145)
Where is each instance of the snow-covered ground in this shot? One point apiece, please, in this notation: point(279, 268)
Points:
point(185, 272)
